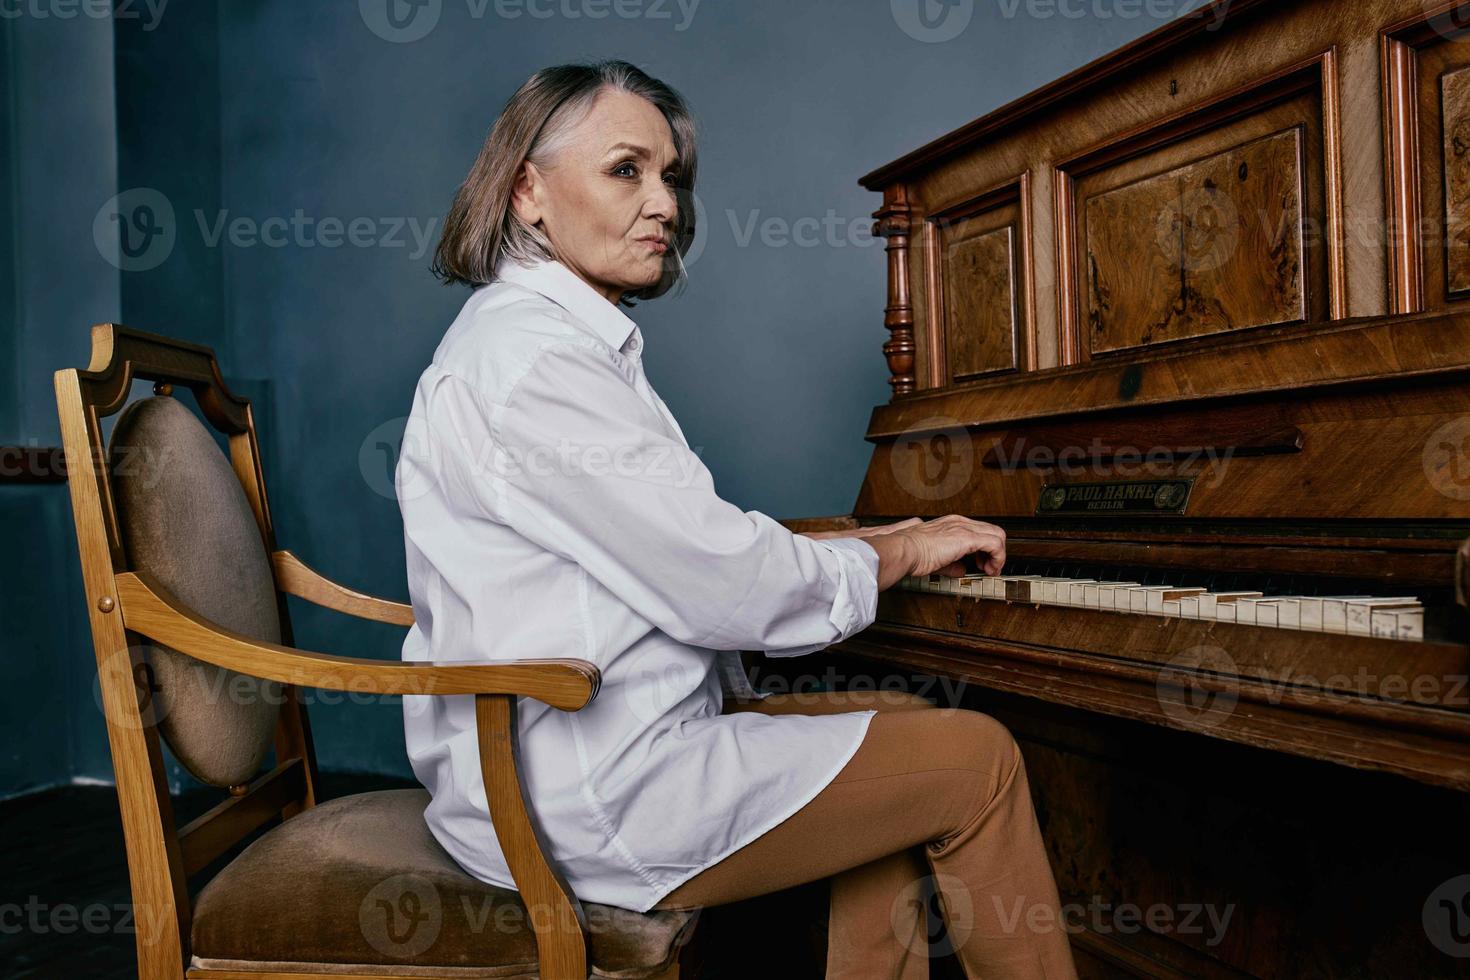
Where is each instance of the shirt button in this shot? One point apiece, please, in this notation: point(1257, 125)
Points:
point(633, 344)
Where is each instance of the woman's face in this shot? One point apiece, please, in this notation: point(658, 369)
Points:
point(606, 201)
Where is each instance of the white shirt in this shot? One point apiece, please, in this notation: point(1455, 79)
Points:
point(552, 508)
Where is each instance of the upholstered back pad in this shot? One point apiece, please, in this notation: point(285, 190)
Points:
point(185, 521)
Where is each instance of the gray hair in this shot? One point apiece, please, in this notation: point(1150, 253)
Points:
point(482, 226)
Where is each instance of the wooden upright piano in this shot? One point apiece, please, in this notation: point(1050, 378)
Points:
point(1192, 323)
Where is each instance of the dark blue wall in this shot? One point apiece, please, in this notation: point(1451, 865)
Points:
point(238, 113)
point(59, 145)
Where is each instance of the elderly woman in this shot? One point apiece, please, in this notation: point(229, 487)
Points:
point(552, 508)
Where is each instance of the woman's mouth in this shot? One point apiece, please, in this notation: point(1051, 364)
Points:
point(658, 245)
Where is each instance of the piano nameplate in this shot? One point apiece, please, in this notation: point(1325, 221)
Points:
point(1115, 497)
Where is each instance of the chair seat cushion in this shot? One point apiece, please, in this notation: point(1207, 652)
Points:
point(359, 883)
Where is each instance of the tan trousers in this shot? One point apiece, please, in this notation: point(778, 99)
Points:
point(934, 801)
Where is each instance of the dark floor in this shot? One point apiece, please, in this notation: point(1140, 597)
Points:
point(64, 906)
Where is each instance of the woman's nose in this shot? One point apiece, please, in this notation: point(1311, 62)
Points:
point(663, 203)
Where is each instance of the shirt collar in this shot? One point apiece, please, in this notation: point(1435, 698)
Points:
point(565, 288)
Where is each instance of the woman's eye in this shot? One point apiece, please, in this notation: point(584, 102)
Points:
point(671, 179)
point(625, 170)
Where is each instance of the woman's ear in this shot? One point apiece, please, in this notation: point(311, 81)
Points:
point(526, 194)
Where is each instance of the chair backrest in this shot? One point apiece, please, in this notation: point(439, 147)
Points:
point(162, 498)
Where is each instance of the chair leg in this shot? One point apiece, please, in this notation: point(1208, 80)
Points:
point(689, 964)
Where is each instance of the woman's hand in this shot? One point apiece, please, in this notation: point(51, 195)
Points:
point(937, 547)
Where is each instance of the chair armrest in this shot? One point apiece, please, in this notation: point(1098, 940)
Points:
point(150, 609)
point(299, 579)
point(556, 915)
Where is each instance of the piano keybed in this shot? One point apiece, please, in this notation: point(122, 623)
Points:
point(1389, 617)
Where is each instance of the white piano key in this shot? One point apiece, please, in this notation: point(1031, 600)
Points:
point(1384, 623)
point(1140, 599)
point(1359, 612)
point(1035, 589)
point(1171, 593)
point(1171, 608)
point(1108, 593)
point(1334, 612)
point(1267, 613)
point(1289, 612)
point(1225, 612)
point(1245, 609)
point(1189, 607)
point(1056, 591)
point(1210, 602)
point(1070, 592)
point(1410, 624)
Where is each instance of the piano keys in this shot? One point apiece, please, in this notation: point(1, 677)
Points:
point(1396, 618)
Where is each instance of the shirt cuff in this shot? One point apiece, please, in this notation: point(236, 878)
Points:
point(856, 604)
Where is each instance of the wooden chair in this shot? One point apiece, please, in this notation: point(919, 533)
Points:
point(186, 592)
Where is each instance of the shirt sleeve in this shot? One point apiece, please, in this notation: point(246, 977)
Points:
point(577, 462)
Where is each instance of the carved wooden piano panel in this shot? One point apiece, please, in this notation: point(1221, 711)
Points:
point(1193, 324)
